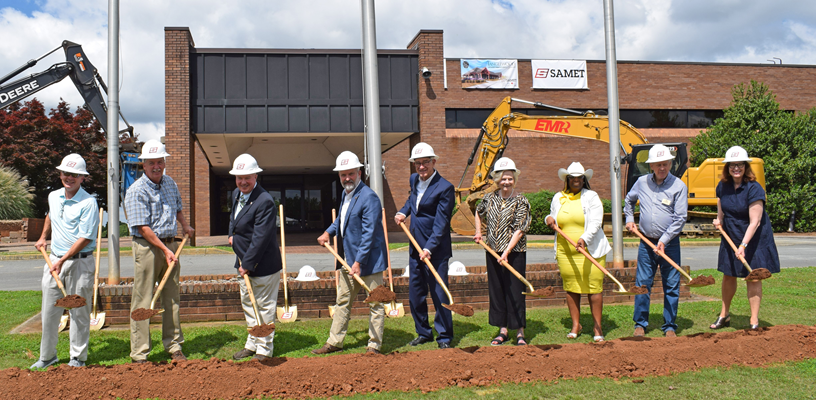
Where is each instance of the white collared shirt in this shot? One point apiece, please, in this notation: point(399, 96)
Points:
point(422, 186)
point(238, 206)
point(345, 206)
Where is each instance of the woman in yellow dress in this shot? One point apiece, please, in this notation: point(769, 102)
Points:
point(578, 211)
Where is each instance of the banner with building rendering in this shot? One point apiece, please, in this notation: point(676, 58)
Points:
point(559, 74)
point(489, 74)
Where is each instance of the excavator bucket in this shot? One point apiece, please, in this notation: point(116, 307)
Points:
point(463, 222)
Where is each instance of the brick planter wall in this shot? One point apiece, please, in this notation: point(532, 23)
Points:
point(216, 297)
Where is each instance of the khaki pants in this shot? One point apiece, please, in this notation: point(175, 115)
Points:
point(265, 289)
point(149, 268)
point(347, 291)
point(77, 276)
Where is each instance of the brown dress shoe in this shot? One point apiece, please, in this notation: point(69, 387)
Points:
point(371, 350)
point(138, 361)
point(244, 353)
point(326, 349)
point(639, 331)
point(670, 333)
point(178, 356)
point(260, 357)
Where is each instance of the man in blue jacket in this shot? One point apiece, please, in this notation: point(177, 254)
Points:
point(253, 236)
point(362, 245)
point(430, 206)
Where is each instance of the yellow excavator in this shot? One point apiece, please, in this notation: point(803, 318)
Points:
point(493, 140)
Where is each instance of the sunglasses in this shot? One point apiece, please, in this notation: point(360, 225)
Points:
point(423, 163)
point(736, 166)
point(65, 174)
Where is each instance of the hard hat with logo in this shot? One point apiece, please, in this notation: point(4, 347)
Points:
point(504, 164)
point(346, 161)
point(659, 153)
point(73, 164)
point(307, 274)
point(422, 150)
point(575, 169)
point(456, 268)
point(736, 154)
point(153, 149)
point(245, 164)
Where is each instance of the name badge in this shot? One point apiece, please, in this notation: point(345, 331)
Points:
point(666, 202)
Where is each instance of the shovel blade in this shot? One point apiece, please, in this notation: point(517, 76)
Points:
point(394, 310)
point(331, 311)
point(63, 322)
point(97, 321)
point(625, 293)
point(287, 316)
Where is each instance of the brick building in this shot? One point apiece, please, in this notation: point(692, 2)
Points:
point(296, 110)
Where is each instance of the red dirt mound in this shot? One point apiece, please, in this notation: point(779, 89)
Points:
point(703, 280)
point(428, 370)
point(141, 314)
point(262, 330)
point(381, 294)
point(758, 274)
point(638, 289)
point(71, 301)
point(461, 309)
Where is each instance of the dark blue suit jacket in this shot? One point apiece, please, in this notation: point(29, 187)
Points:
point(255, 234)
point(363, 237)
point(430, 222)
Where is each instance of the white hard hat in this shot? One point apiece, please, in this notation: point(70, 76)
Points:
point(422, 150)
point(659, 153)
point(504, 164)
point(575, 169)
point(406, 273)
point(307, 274)
point(346, 161)
point(73, 164)
point(153, 149)
point(245, 164)
point(736, 154)
point(456, 268)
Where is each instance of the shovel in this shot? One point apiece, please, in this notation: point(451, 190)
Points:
point(348, 268)
point(260, 330)
point(97, 318)
point(755, 275)
point(141, 314)
point(79, 300)
point(336, 272)
point(63, 321)
point(286, 313)
point(460, 309)
point(392, 309)
point(691, 283)
point(534, 293)
point(621, 289)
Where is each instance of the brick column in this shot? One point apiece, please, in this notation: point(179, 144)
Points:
point(178, 137)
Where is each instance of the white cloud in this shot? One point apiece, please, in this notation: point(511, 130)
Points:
point(689, 30)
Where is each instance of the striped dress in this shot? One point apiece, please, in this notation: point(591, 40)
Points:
point(502, 217)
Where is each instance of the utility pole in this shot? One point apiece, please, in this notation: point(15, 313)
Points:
point(614, 134)
point(113, 142)
point(372, 96)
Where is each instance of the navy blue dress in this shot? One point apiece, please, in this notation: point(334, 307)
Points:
point(761, 251)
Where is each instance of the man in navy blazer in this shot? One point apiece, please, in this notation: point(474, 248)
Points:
point(362, 245)
point(253, 237)
point(430, 206)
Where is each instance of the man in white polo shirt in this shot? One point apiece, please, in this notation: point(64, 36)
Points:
point(72, 220)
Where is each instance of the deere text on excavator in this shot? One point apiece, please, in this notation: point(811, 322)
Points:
point(493, 140)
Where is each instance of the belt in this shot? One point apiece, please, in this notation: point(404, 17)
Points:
point(79, 255)
point(168, 240)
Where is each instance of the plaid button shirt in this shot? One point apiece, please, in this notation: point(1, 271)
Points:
point(156, 206)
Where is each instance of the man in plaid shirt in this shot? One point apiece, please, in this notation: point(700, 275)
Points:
point(153, 206)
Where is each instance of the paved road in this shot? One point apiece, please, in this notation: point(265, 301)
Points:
point(26, 275)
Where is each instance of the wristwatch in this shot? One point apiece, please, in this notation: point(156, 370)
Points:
point(743, 244)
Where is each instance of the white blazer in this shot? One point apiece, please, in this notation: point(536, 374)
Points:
point(597, 244)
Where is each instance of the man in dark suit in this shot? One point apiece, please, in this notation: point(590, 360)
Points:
point(430, 206)
point(253, 237)
point(362, 245)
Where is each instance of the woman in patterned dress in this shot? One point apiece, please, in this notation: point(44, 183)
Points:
point(506, 215)
point(578, 211)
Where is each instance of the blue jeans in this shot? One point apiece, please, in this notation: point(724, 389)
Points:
point(647, 264)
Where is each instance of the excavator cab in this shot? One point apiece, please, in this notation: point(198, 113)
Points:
point(637, 167)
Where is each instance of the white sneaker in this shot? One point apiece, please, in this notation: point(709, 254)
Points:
point(76, 363)
point(44, 364)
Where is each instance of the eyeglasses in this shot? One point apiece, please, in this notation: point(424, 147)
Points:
point(65, 174)
point(736, 166)
point(425, 163)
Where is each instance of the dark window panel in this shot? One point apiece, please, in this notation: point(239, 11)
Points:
point(278, 119)
point(235, 76)
point(256, 76)
point(277, 69)
point(214, 76)
point(338, 76)
point(298, 76)
point(318, 77)
point(256, 118)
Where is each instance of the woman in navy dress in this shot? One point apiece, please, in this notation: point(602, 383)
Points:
point(741, 213)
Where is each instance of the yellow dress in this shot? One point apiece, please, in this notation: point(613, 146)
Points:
point(577, 273)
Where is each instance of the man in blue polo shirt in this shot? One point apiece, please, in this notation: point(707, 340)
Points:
point(72, 221)
point(153, 206)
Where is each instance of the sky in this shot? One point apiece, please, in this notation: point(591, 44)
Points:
point(741, 31)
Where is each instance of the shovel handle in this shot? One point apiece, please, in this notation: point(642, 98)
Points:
point(96, 268)
point(661, 254)
point(252, 297)
point(283, 260)
point(508, 266)
point(387, 251)
point(584, 252)
point(346, 266)
point(728, 239)
point(427, 262)
point(54, 274)
point(167, 274)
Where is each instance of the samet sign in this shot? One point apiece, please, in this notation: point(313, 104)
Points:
point(559, 74)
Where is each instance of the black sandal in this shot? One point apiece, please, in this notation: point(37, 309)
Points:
point(721, 322)
point(521, 341)
point(499, 340)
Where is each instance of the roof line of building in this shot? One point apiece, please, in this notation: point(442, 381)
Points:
point(296, 51)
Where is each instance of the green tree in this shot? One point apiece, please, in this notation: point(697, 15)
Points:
point(785, 141)
point(16, 195)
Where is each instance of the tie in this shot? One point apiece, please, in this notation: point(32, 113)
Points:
point(241, 204)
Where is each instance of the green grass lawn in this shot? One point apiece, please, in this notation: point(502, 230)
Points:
point(788, 299)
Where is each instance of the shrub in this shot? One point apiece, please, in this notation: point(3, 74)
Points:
point(16, 195)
